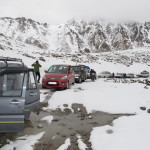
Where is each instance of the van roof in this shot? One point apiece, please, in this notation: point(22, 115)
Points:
point(12, 64)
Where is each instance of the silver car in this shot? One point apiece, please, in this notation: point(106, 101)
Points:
point(143, 74)
point(19, 94)
point(105, 74)
point(120, 75)
point(129, 75)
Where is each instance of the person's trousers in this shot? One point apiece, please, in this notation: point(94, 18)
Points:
point(38, 76)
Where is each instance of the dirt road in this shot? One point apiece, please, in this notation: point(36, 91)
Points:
point(64, 125)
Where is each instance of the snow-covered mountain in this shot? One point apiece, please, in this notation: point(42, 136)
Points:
point(75, 35)
point(24, 30)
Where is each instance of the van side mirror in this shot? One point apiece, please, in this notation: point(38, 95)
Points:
point(46, 71)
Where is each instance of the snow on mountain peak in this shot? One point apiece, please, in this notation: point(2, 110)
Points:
point(77, 35)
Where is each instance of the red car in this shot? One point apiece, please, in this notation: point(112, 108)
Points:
point(58, 76)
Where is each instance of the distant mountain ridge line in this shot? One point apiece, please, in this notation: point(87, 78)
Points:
point(77, 35)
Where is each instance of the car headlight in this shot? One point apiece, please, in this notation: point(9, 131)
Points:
point(63, 78)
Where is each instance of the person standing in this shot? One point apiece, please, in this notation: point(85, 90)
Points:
point(37, 66)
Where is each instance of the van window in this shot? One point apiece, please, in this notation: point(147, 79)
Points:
point(11, 84)
point(31, 81)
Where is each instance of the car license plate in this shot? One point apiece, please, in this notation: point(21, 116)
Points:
point(52, 83)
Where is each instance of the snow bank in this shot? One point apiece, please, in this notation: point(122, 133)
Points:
point(127, 133)
point(104, 96)
point(24, 143)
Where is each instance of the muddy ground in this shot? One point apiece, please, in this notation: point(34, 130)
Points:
point(64, 125)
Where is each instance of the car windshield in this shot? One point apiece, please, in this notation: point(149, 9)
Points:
point(58, 69)
point(76, 69)
point(11, 84)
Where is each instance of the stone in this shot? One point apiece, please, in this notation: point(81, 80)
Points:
point(148, 110)
point(143, 108)
point(65, 105)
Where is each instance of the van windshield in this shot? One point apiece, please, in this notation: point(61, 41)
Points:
point(11, 84)
point(58, 69)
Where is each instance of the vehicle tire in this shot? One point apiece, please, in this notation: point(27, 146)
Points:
point(83, 79)
point(73, 83)
point(93, 79)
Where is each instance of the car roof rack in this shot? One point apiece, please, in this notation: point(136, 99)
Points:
point(6, 59)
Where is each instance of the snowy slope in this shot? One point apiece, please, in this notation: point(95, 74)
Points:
point(25, 30)
point(77, 35)
point(128, 132)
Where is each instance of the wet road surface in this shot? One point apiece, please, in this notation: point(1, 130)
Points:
point(64, 125)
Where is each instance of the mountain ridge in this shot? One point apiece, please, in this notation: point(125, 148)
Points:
point(77, 35)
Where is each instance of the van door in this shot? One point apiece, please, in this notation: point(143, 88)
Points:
point(32, 93)
point(11, 102)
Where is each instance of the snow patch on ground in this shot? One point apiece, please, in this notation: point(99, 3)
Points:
point(48, 119)
point(65, 145)
point(24, 143)
point(81, 144)
point(104, 96)
point(127, 133)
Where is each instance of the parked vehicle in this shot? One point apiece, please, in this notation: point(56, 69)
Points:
point(88, 74)
point(105, 74)
point(143, 74)
point(120, 75)
point(129, 75)
point(93, 76)
point(58, 76)
point(19, 94)
point(81, 73)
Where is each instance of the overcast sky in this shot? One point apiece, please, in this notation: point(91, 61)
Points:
point(59, 11)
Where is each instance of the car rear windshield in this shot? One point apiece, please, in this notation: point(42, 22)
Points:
point(58, 69)
point(11, 84)
point(76, 68)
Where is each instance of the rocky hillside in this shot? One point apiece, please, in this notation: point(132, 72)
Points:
point(75, 35)
point(24, 30)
